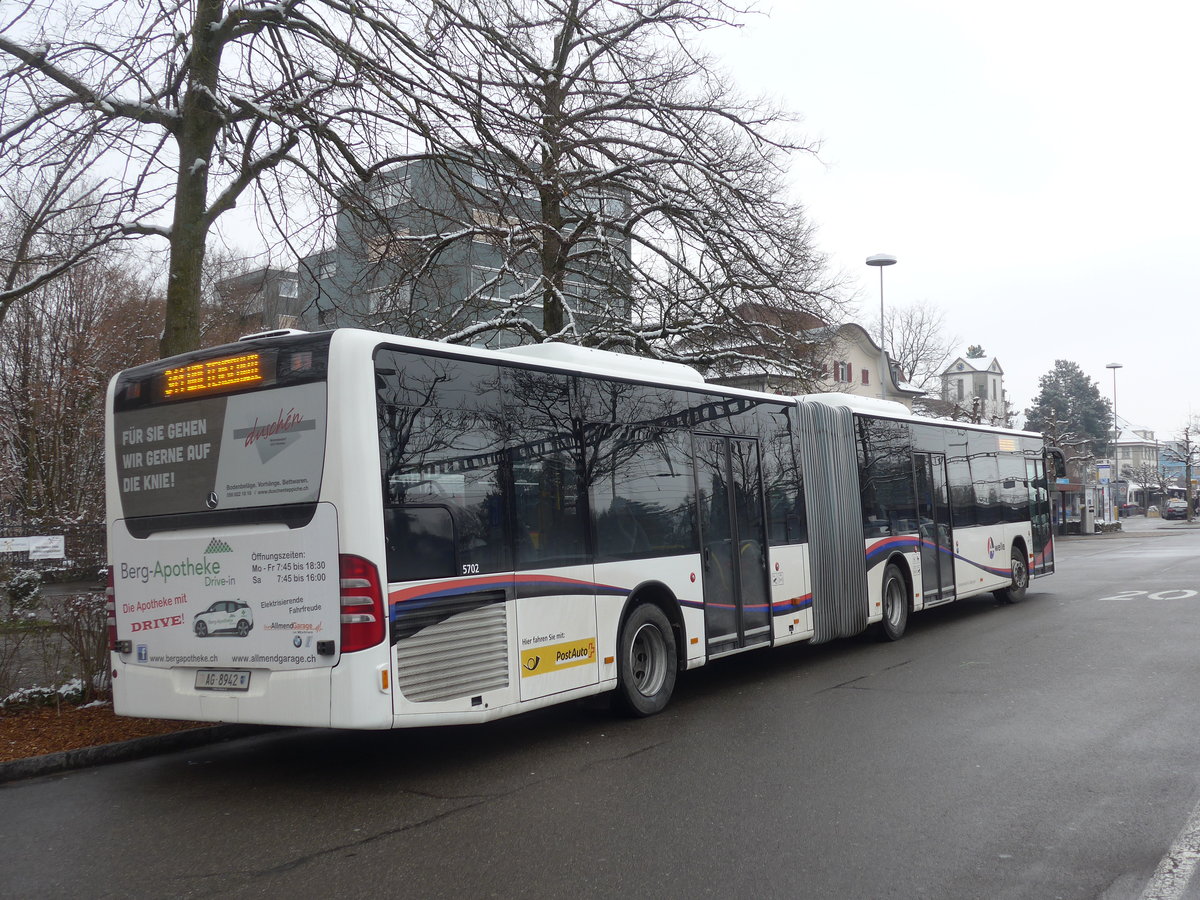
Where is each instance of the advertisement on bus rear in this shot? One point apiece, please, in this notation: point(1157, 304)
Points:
point(264, 448)
point(253, 600)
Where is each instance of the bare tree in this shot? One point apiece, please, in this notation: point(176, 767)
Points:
point(1148, 475)
point(626, 196)
point(191, 103)
point(637, 199)
point(1076, 446)
point(916, 340)
point(49, 223)
point(58, 349)
point(1186, 450)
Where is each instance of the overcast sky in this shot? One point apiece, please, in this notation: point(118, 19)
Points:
point(1033, 167)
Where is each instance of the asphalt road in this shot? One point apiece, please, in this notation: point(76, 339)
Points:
point(1043, 750)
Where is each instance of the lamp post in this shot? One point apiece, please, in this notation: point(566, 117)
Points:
point(1115, 479)
point(880, 260)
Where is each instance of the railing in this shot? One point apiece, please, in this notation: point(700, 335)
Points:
point(85, 552)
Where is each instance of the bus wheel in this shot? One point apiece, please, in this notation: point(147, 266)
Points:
point(1015, 592)
point(646, 662)
point(895, 605)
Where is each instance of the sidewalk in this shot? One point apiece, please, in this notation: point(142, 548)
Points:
point(1135, 526)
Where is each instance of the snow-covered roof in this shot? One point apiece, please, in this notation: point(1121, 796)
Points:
point(893, 410)
point(963, 366)
point(617, 363)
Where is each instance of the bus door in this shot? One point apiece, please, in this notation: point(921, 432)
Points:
point(737, 610)
point(933, 516)
point(1039, 516)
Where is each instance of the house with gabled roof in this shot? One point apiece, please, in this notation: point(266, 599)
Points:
point(854, 364)
point(842, 358)
point(978, 393)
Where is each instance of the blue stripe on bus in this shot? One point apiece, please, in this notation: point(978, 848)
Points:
point(416, 598)
point(777, 608)
point(795, 604)
point(877, 551)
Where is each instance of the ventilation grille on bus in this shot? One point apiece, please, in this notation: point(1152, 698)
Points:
point(461, 656)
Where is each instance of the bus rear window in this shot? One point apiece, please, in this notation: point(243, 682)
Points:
point(219, 431)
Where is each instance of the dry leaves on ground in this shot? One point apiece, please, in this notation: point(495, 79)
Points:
point(33, 732)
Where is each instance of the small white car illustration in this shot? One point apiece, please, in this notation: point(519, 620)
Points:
point(224, 616)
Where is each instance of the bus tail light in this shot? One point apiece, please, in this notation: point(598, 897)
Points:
point(110, 609)
point(363, 621)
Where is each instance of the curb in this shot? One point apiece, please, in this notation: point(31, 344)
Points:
point(123, 751)
point(1160, 531)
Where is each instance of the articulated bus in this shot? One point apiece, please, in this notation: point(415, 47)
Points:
point(356, 530)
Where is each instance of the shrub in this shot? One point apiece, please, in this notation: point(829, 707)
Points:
point(11, 640)
point(74, 691)
point(24, 588)
point(68, 647)
point(81, 620)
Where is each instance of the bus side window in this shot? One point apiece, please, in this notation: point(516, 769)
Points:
point(963, 510)
point(786, 516)
point(420, 543)
point(886, 477)
point(550, 516)
point(547, 497)
point(1014, 489)
point(644, 502)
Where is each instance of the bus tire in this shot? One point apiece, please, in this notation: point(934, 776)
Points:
point(1017, 587)
point(895, 604)
point(646, 662)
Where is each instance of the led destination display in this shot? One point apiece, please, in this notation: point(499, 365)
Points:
point(214, 375)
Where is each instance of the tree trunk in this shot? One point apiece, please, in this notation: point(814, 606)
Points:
point(195, 139)
point(554, 260)
point(553, 311)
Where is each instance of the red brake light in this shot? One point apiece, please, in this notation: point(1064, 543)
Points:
point(364, 622)
point(110, 607)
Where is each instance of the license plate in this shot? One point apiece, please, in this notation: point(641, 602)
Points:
point(222, 680)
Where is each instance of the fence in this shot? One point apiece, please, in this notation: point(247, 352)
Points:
point(85, 552)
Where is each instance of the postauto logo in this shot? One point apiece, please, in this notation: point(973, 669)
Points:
point(166, 570)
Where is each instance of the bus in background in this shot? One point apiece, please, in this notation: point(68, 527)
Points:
point(356, 530)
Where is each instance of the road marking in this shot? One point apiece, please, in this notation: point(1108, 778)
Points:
point(1180, 594)
point(1168, 594)
point(1175, 870)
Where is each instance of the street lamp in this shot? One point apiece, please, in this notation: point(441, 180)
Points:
point(1115, 480)
point(880, 260)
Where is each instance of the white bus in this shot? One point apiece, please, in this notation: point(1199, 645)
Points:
point(357, 530)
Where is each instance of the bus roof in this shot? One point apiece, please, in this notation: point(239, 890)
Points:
point(889, 409)
point(616, 363)
point(573, 358)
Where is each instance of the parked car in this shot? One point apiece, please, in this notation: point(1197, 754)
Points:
point(224, 615)
point(1130, 509)
point(1175, 509)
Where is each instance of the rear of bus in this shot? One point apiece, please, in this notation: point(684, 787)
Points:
point(231, 600)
